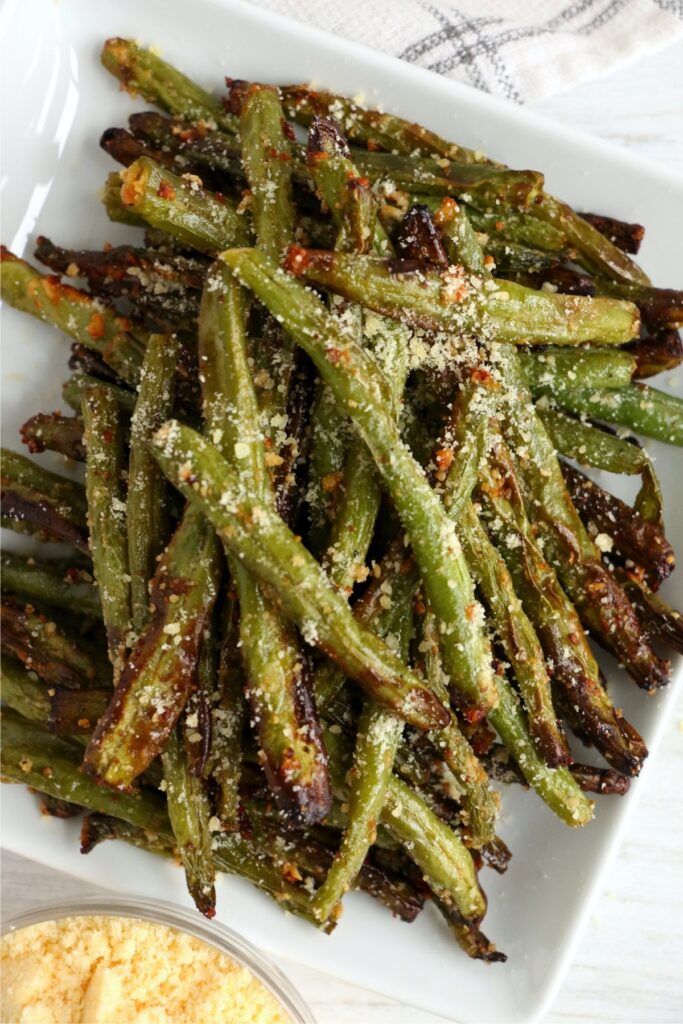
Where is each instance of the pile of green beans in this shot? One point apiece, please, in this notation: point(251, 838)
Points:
point(331, 559)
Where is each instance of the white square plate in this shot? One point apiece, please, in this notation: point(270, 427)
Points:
point(57, 100)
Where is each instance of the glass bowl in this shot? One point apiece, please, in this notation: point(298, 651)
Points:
point(188, 921)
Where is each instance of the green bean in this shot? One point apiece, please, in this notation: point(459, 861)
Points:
point(639, 407)
point(445, 862)
point(343, 484)
point(124, 270)
point(125, 148)
point(57, 583)
point(86, 319)
point(329, 435)
point(511, 258)
point(447, 301)
point(555, 785)
point(156, 680)
point(267, 160)
point(182, 207)
point(46, 647)
point(344, 192)
point(34, 757)
point(146, 505)
point(515, 632)
point(68, 495)
point(394, 134)
point(624, 235)
point(114, 206)
point(516, 227)
point(189, 811)
point(443, 858)
point(517, 636)
point(660, 308)
point(555, 619)
point(595, 251)
point(103, 439)
point(232, 854)
point(50, 431)
point(277, 689)
point(377, 740)
point(303, 104)
point(340, 187)
point(26, 510)
point(42, 503)
point(482, 185)
point(362, 390)
point(196, 722)
point(74, 713)
point(228, 716)
point(96, 828)
point(200, 145)
point(313, 854)
point(469, 936)
point(661, 622)
point(75, 387)
point(642, 545)
point(555, 371)
point(267, 157)
point(23, 692)
point(478, 803)
point(268, 549)
point(663, 351)
point(592, 446)
point(143, 73)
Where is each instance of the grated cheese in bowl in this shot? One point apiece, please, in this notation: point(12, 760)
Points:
point(107, 968)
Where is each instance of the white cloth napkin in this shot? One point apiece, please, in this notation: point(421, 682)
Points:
point(519, 49)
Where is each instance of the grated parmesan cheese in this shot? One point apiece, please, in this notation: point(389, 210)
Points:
point(103, 970)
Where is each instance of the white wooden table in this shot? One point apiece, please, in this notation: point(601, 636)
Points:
point(629, 967)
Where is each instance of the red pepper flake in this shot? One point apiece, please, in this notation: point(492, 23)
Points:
point(166, 191)
point(470, 612)
point(276, 154)
point(296, 260)
point(337, 355)
point(96, 326)
point(52, 287)
point(481, 376)
point(331, 481)
point(108, 436)
point(373, 146)
point(291, 873)
point(482, 740)
point(443, 458)
point(473, 715)
point(447, 211)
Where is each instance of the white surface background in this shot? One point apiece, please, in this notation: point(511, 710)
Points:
point(629, 967)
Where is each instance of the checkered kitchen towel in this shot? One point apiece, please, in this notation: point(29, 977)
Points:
point(520, 49)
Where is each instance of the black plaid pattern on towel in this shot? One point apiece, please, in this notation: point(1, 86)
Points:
point(522, 50)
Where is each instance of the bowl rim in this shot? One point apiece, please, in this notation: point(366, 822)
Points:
point(190, 922)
